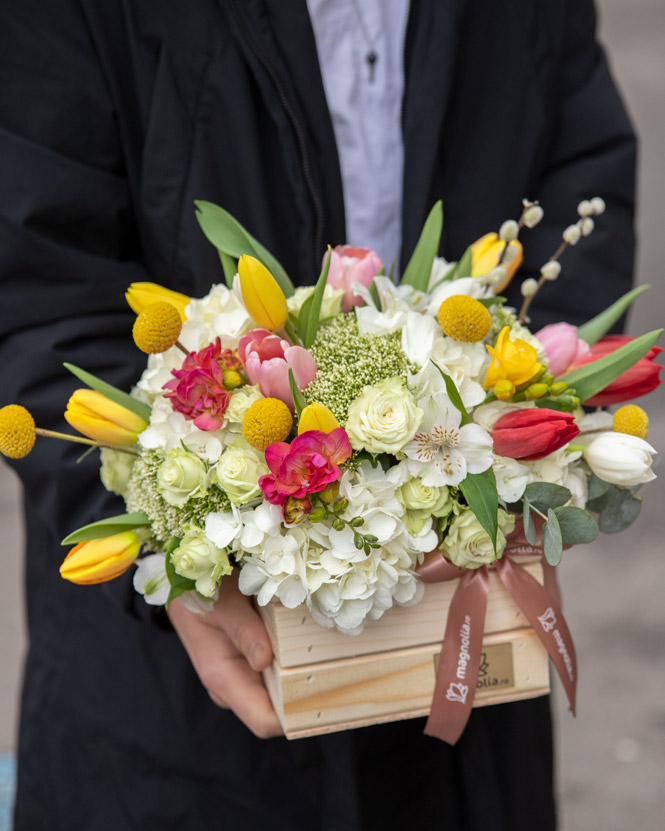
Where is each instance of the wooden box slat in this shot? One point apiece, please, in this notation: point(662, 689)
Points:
point(296, 639)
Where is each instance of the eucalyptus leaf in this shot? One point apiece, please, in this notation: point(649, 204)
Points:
point(594, 329)
point(544, 495)
point(419, 269)
point(107, 527)
point(527, 522)
point(620, 511)
point(577, 526)
point(111, 392)
point(590, 379)
point(230, 237)
point(454, 395)
point(552, 542)
point(298, 400)
point(596, 487)
point(315, 306)
point(479, 490)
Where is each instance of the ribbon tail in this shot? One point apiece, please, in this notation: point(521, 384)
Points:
point(459, 660)
point(544, 613)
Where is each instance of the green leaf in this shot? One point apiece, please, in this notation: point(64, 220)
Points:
point(591, 379)
point(527, 522)
point(315, 306)
point(107, 527)
point(552, 542)
point(594, 329)
point(463, 268)
point(179, 584)
point(303, 318)
point(491, 301)
point(621, 509)
point(111, 392)
point(374, 292)
point(419, 269)
point(479, 490)
point(230, 267)
point(544, 495)
point(234, 240)
point(298, 399)
point(577, 526)
point(553, 404)
point(454, 395)
point(596, 487)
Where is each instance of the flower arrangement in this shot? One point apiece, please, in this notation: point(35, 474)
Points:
point(323, 440)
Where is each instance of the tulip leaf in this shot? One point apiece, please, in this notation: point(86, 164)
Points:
point(316, 301)
point(298, 400)
point(108, 527)
point(454, 395)
point(303, 318)
point(111, 392)
point(463, 267)
point(544, 495)
point(552, 541)
point(479, 490)
point(230, 267)
point(419, 269)
point(590, 379)
point(594, 329)
point(234, 240)
point(577, 526)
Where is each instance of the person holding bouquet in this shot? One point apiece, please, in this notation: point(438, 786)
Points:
point(309, 122)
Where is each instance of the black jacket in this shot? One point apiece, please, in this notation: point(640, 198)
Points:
point(114, 117)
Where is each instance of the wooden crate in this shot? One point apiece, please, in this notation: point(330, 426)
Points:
point(322, 681)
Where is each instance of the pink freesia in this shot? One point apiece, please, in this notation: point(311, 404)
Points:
point(267, 359)
point(562, 346)
point(349, 265)
point(197, 390)
point(305, 466)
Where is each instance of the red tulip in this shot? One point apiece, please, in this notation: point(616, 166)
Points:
point(640, 379)
point(532, 433)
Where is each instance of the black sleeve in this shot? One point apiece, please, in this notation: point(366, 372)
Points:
point(592, 152)
point(68, 250)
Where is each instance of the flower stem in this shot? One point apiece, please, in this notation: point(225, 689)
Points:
point(53, 434)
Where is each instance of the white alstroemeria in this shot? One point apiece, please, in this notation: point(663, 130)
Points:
point(442, 451)
point(223, 528)
point(395, 302)
point(465, 363)
point(554, 467)
point(621, 459)
point(440, 267)
point(470, 286)
point(488, 414)
point(150, 579)
point(512, 477)
point(419, 335)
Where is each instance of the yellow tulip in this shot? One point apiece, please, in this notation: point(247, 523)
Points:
point(97, 417)
point(140, 295)
point(512, 360)
point(485, 256)
point(317, 417)
point(264, 299)
point(100, 560)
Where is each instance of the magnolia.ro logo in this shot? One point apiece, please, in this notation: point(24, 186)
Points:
point(548, 619)
point(457, 693)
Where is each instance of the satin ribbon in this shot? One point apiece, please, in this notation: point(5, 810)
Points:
point(461, 649)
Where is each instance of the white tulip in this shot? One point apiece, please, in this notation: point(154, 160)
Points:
point(620, 459)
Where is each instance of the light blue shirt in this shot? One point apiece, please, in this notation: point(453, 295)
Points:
point(366, 112)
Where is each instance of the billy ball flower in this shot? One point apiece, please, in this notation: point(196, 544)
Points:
point(157, 327)
point(17, 431)
point(464, 318)
point(267, 421)
point(141, 295)
point(631, 420)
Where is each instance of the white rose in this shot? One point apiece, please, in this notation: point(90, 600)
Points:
point(237, 473)
point(180, 476)
point(468, 545)
point(241, 400)
point(384, 418)
point(116, 470)
point(198, 559)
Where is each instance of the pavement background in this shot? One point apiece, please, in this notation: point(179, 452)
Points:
point(611, 758)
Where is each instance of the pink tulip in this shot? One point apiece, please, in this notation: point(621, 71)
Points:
point(562, 346)
point(267, 359)
point(349, 265)
point(305, 466)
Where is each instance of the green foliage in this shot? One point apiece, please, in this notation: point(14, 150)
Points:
point(594, 329)
point(298, 399)
point(107, 527)
point(617, 508)
point(314, 307)
point(544, 495)
point(454, 395)
point(552, 542)
point(577, 526)
point(419, 269)
point(479, 490)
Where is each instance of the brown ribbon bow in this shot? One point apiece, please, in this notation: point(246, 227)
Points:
point(461, 649)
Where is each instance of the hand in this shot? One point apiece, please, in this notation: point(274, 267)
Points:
point(228, 648)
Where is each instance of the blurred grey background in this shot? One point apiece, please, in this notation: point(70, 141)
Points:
point(611, 758)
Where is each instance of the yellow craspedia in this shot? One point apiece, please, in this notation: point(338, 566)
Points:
point(157, 327)
point(267, 420)
point(17, 431)
point(631, 419)
point(464, 318)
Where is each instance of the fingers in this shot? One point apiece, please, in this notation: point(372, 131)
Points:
point(235, 615)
